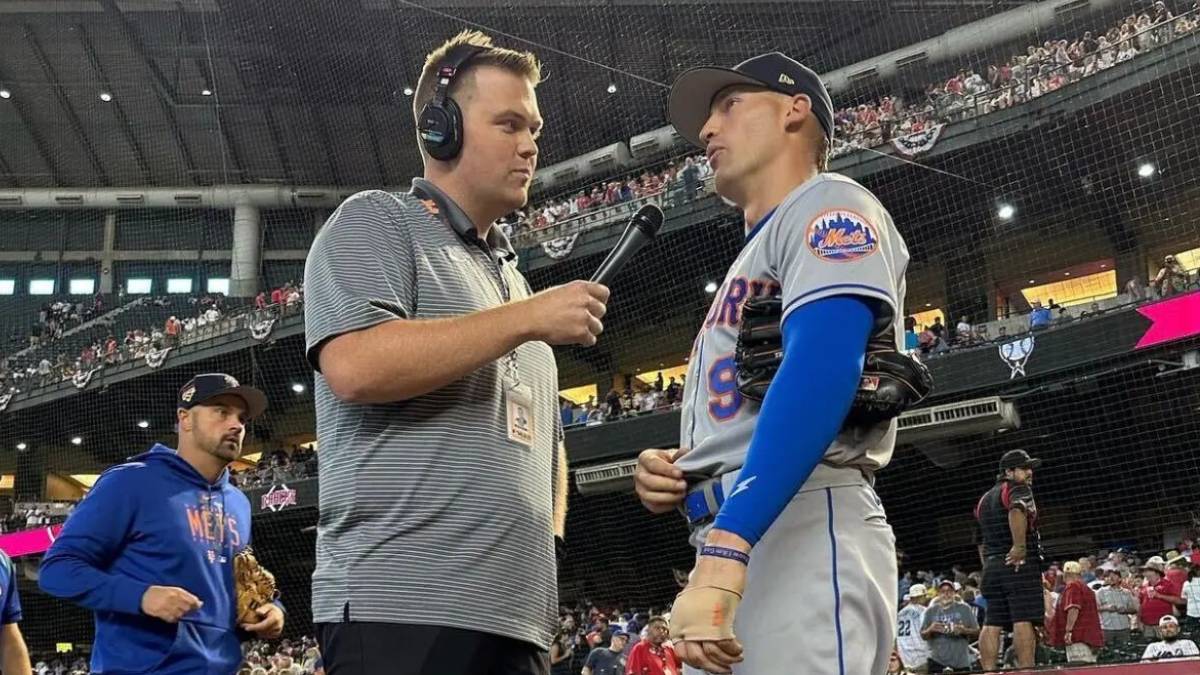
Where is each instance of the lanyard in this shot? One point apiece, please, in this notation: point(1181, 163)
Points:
point(442, 213)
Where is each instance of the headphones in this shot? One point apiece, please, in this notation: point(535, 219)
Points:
point(441, 126)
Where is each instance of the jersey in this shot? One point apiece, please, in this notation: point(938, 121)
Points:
point(992, 514)
point(1170, 650)
point(830, 236)
point(914, 650)
point(10, 598)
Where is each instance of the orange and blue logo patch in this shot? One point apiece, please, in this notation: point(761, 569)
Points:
point(838, 235)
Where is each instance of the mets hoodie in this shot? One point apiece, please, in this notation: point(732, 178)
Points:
point(154, 521)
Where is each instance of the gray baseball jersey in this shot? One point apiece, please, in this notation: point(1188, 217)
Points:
point(830, 236)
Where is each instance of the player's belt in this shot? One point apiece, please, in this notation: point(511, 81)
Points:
point(703, 501)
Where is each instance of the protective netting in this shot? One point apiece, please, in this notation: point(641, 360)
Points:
point(1040, 166)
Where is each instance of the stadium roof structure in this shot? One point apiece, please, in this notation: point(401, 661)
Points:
point(313, 92)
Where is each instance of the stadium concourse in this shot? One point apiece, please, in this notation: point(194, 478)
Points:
point(164, 169)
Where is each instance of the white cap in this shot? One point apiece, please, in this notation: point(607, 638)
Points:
point(916, 591)
point(1168, 620)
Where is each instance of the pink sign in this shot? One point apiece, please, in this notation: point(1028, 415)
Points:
point(28, 542)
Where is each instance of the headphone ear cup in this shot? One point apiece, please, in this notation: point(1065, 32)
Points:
point(454, 131)
point(441, 130)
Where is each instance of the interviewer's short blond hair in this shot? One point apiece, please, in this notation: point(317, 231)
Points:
point(524, 64)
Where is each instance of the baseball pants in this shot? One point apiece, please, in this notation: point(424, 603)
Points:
point(821, 586)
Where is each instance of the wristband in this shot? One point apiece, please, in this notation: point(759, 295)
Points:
point(727, 553)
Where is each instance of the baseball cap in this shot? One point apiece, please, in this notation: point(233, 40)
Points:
point(207, 386)
point(619, 633)
point(1167, 621)
point(1072, 567)
point(916, 591)
point(1155, 563)
point(693, 92)
point(948, 582)
point(1018, 459)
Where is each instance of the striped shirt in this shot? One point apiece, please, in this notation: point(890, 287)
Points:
point(429, 514)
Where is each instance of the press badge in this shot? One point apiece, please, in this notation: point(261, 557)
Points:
point(518, 400)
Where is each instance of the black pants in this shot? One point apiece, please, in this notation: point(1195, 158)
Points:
point(936, 668)
point(363, 648)
point(1013, 595)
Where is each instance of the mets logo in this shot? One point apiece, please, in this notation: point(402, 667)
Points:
point(839, 235)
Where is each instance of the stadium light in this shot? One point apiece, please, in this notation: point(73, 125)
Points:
point(4, 93)
point(1032, 281)
point(1066, 274)
point(298, 388)
point(612, 87)
point(105, 96)
point(1006, 211)
point(710, 287)
point(1146, 169)
point(77, 441)
point(143, 424)
point(21, 446)
point(408, 91)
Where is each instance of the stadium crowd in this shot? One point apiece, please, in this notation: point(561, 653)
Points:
point(278, 466)
point(1134, 610)
point(635, 399)
point(46, 362)
point(967, 93)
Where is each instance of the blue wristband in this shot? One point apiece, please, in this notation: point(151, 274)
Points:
point(727, 553)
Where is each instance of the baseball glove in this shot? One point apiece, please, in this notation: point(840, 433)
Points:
point(891, 382)
point(255, 586)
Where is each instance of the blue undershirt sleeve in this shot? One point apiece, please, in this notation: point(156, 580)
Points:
point(824, 346)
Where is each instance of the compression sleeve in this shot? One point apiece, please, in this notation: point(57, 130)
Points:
point(824, 349)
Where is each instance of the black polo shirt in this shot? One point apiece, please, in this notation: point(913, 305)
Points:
point(992, 514)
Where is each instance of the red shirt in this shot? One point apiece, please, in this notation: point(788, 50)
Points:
point(646, 659)
point(1155, 608)
point(276, 296)
point(1087, 625)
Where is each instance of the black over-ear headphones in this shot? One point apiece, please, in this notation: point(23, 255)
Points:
point(441, 127)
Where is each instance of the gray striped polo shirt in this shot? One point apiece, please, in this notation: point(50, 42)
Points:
point(429, 514)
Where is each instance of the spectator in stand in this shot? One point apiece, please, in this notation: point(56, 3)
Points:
point(1191, 594)
point(1117, 605)
point(910, 334)
point(260, 300)
point(1170, 646)
point(913, 649)
point(567, 412)
point(651, 656)
point(1158, 596)
point(1177, 570)
point(610, 658)
point(171, 329)
point(938, 330)
point(949, 627)
point(1171, 279)
point(963, 329)
point(1076, 623)
point(1040, 317)
point(673, 391)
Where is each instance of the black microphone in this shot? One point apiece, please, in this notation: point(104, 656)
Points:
point(642, 228)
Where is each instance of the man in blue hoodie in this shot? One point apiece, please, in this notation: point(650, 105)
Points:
point(150, 549)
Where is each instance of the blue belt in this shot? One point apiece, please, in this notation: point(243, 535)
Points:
point(703, 501)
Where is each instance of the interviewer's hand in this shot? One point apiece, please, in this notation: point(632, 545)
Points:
point(658, 482)
point(168, 603)
point(569, 314)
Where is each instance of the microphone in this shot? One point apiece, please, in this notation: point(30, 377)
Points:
point(642, 228)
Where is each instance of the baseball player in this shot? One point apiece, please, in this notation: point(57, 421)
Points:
point(914, 650)
point(150, 549)
point(781, 502)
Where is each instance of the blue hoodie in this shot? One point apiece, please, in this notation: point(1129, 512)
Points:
point(154, 521)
